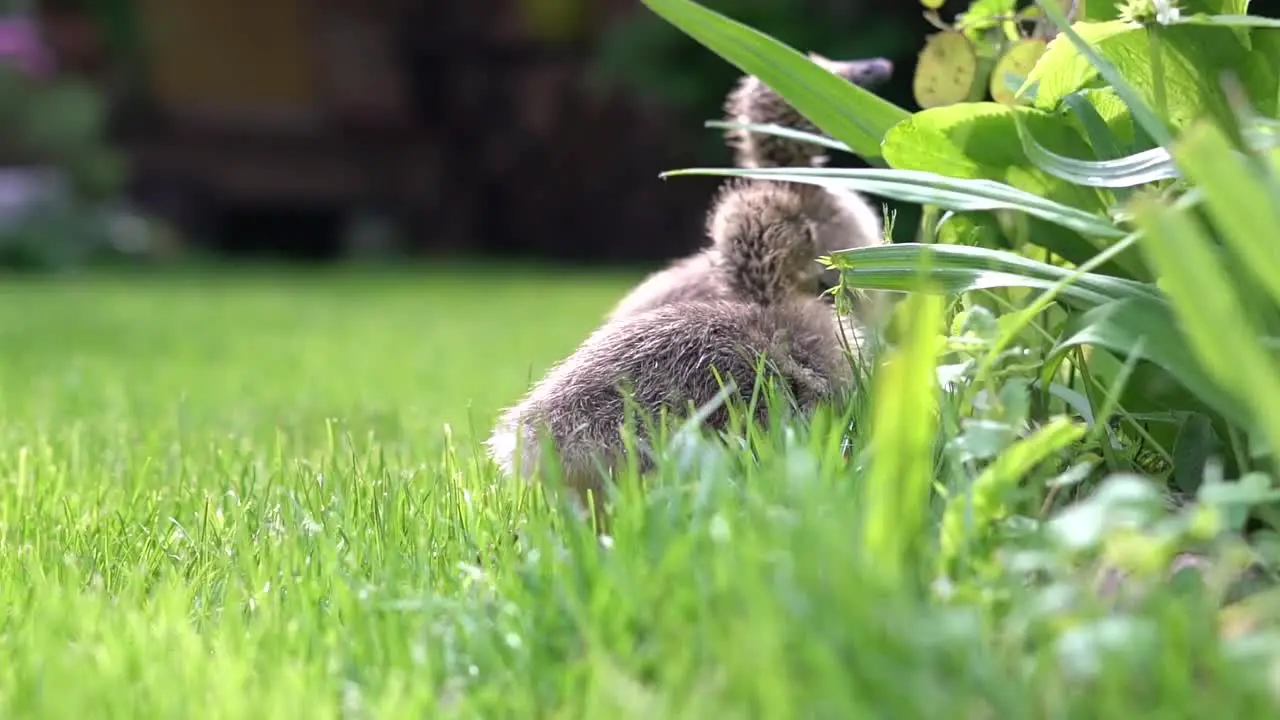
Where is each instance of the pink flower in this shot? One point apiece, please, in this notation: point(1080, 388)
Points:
point(21, 45)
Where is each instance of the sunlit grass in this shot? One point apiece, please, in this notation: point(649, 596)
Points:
point(193, 466)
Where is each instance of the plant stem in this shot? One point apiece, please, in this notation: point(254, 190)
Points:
point(1157, 73)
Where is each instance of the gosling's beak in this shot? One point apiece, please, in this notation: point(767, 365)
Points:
point(868, 73)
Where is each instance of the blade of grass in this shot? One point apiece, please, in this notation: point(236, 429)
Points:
point(1123, 172)
point(926, 188)
point(999, 265)
point(1242, 209)
point(1101, 139)
point(904, 420)
point(952, 281)
point(1211, 315)
point(781, 131)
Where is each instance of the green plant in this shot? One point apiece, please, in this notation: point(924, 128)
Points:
point(1104, 237)
point(987, 49)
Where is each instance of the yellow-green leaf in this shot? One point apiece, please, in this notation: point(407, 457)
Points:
point(1210, 313)
point(1238, 201)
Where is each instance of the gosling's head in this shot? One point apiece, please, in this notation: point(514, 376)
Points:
point(766, 238)
point(754, 102)
point(869, 73)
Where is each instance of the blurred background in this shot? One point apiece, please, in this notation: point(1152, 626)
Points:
point(151, 131)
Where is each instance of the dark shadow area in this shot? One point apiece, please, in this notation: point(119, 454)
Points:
point(294, 232)
point(500, 129)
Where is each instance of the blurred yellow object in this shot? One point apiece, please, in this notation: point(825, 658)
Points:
point(557, 20)
point(946, 70)
point(1017, 62)
point(232, 60)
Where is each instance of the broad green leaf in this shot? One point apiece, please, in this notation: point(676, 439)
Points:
point(1148, 329)
point(1210, 313)
point(1259, 70)
point(1265, 44)
point(1214, 7)
point(971, 140)
point(1192, 59)
point(929, 188)
point(1196, 444)
point(1062, 69)
point(1149, 390)
point(781, 131)
point(1225, 7)
point(1099, 10)
point(1076, 62)
point(983, 15)
point(1237, 200)
point(982, 439)
point(851, 114)
point(1121, 500)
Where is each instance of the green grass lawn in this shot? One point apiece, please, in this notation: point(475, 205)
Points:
point(165, 445)
point(233, 497)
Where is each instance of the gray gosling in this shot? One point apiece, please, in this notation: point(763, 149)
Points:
point(751, 101)
point(665, 356)
point(843, 219)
